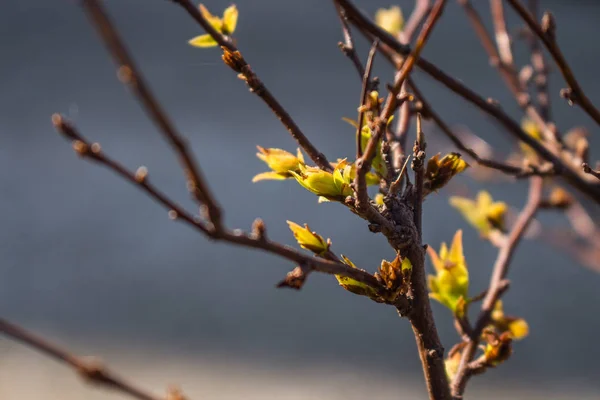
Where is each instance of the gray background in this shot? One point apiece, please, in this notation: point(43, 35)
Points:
point(91, 262)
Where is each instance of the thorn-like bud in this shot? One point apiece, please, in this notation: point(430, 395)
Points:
point(140, 174)
point(294, 279)
point(259, 230)
point(549, 25)
point(125, 74)
point(173, 215)
point(80, 147)
point(57, 120)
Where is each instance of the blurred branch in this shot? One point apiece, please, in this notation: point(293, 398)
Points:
point(418, 168)
point(508, 169)
point(92, 372)
point(496, 286)
point(501, 57)
point(397, 140)
point(546, 32)
point(393, 49)
point(129, 74)
point(539, 66)
point(588, 170)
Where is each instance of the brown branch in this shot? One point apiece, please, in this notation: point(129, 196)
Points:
point(366, 78)
point(547, 35)
point(130, 75)
point(347, 46)
point(539, 66)
point(363, 165)
point(501, 57)
point(93, 152)
point(236, 61)
point(496, 287)
point(397, 141)
point(508, 169)
point(502, 38)
point(420, 12)
point(393, 49)
point(93, 372)
point(417, 166)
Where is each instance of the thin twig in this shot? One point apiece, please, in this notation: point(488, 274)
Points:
point(548, 37)
point(93, 151)
point(93, 372)
point(418, 168)
point(497, 165)
point(539, 66)
point(420, 12)
point(393, 49)
point(501, 57)
point(234, 59)
point(366, 78)
point(496, 286)
point(131, 75)
point(397, 140)
point(347, 46)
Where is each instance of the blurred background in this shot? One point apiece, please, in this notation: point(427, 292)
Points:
point(92, 263)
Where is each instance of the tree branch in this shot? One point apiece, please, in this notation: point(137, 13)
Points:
point(92, 372)
point(130, 75)
point(539, 66)
point(234, 59)
point(497, 286)
point(393, 49)
point(502, 58)
point(547, 35)
point(519, 172)
point(93, 152)
point(366, 79)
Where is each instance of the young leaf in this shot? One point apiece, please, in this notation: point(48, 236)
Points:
point(308, 239)
point(483, 213)
point(450, 285)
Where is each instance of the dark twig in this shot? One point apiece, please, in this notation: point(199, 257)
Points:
point(234, 59)
point(130, 75)
point(347, 46)
point(547, 34)
point(497, 286)
point(501, 57)
point(93, 152)
point(418, 167)
point(93, 372)
point(420, 11)
point(397, 141)
point(393, 49)
point(363, 165)
point(366, 78)
point(519, 172)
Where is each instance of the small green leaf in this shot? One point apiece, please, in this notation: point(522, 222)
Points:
point(230, 17)
point(203, 41)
